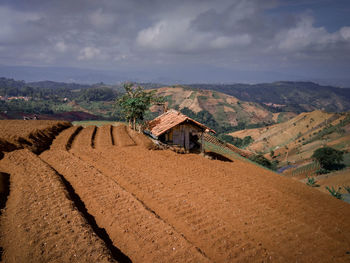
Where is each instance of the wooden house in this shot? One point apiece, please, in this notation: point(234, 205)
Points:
point(175, 128)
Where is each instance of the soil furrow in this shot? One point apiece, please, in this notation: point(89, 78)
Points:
point(111, 134)
point(100, 232)
point(72, 137)
point(178, 212)
point(93, 136)
point(40, 224)
point(121, 136)
point(103, 137)
point(269, 218)
point(137, 231)
point(4, 189)
point(84, 139)
point(61, 141)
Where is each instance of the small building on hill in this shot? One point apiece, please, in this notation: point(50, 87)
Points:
point(175, 128)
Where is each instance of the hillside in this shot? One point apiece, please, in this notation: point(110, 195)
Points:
point(294, 141)
point(288, 96)
point(225, 109)
point(87, 199)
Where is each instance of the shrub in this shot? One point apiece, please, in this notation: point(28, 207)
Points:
point(322, 171)
point(311, 182)
point(329, 158)
point(260, 159)
point(334, 192)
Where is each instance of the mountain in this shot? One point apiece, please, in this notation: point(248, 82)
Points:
point(288, 96)
point(225, 109)
point(295, 140)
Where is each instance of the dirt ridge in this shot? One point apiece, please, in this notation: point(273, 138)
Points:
point(36, 136)
point(39, 223)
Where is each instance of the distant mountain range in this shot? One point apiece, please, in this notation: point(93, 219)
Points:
point(288, 96)
point(240, 105)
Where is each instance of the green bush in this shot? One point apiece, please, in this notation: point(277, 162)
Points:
point(260, 159)
point(334, 192)
point(329, 158)
point(322, 171)
point(311, 182)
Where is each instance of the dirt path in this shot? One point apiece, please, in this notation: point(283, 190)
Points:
point(257, 215)
point(40, 224)
point(138, 231)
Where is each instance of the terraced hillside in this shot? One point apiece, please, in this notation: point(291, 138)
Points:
point(225, 109)
point(295, 141)
point(159, 206)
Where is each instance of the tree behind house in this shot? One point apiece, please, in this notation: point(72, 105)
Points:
point(135, 102)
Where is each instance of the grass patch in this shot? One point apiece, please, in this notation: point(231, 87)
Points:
point(95, 123)
point(193, 95)
point(309, 168)
point(346, 159)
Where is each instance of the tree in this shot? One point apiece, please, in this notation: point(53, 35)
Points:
point(260, 159)
point(135, 102)
point(329, 158)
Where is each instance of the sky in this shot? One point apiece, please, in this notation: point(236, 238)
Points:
point(182, 41)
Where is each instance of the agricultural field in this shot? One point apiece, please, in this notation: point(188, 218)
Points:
point(35, 135)
point(294, 141)
point(97, 123)
point(105, 194)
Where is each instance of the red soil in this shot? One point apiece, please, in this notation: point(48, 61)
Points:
point(158, 206)
point(35, 135)
point(40, 224)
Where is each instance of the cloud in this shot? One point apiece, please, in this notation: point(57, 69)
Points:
point(16, 25)
point(101, 19)
point(61, 46)
point(179, 36)
point(89, 53)
point(111, 34)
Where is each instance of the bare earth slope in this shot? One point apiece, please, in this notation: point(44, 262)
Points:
point(224, 211)
point(297, 139)
point(224, 108)
point(158, 206)
point(35, 135)
point(40, 224)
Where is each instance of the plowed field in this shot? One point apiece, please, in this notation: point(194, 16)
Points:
point(99, 194)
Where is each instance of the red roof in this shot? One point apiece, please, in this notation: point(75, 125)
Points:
point(170, 119)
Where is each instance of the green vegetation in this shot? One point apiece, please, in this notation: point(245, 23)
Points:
point(238, 142)
point(306, 169)
point(203, 117)
point(97, 94)
point(335, 193)
point(49, 97)
point(297, 96)
point(135, 102)
point(311, 181)
point(329, 158)
point(260, 159)
point(94, 123)
point(330, 129)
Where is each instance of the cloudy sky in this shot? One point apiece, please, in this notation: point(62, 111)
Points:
point(180, 41)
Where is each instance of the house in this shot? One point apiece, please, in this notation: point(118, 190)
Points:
point(175, 128)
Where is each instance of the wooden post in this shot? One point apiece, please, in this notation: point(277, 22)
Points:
point(202, 141)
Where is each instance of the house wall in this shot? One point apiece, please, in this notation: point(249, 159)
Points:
point(181, 134)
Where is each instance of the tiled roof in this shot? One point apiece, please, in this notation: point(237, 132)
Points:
point(170, 119)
